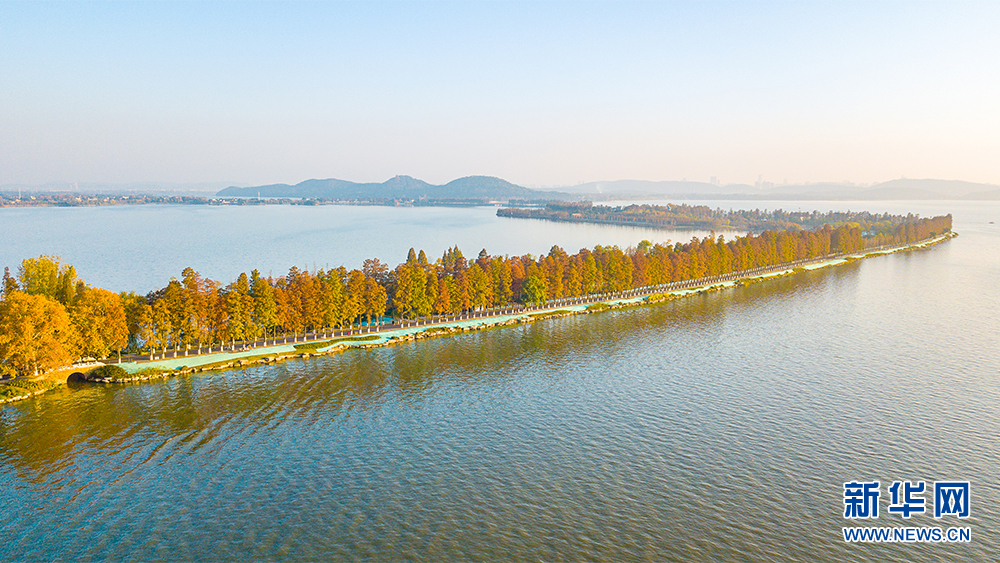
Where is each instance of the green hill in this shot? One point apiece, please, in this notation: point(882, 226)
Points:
point(399, 187)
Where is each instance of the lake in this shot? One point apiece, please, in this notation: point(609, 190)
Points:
point(720, 427)
point(138, 248)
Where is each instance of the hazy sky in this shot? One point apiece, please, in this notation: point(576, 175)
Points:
point(537, 93)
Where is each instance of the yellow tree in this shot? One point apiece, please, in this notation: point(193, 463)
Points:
point(334, 295)
point(239, 309)
point(501, 282)
point(35, 334)
point(592, 278)
point(480, 287)
point(354, 303)
point(442, 304)
point(431, 290)
point(573, 277)
point(40, 276)
point(161, 325)
point(99, 318)
point(9, 283)
point(48, 276)
point(195, 306)
point(410, 300)
point(265, 310)
point(460, 294)
point(375, 299)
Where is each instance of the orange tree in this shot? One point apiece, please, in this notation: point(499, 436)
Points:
point(35, 334)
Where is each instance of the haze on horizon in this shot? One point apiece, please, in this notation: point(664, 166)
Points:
point(540, 94)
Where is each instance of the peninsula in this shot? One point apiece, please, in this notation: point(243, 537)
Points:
point(49, 317)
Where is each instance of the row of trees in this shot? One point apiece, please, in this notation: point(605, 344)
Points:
point(48, 316)
point(702, 216)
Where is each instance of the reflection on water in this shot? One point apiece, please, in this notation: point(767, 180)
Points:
point(717, 427)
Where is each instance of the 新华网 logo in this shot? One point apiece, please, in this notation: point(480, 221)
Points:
point(951, 498)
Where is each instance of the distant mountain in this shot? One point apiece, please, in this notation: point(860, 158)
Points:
point(487, 186)
point(399, 187)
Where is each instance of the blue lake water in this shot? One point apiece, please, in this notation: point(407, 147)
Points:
point(138, 248)
point(719, 427)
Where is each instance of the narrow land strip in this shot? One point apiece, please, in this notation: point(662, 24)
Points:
point(162, 367)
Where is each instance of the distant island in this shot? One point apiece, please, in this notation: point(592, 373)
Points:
point(683, 216)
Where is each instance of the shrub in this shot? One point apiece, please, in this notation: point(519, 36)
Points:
point(7, 392)
point(109, 371)
point(313, 346)
point(29, 385)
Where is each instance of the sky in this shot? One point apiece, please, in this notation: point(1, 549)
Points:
point(540, 94)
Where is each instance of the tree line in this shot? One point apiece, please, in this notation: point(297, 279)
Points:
point(674, 215)
point(49, 317)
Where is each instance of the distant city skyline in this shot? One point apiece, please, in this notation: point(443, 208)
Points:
point(540, 94)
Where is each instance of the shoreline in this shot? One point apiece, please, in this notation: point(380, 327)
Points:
point(162, 368)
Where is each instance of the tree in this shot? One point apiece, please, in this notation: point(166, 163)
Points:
point(213, 329)
point(195, 307)
point(375, 300)
point(41, 276)
point(35, 334)
point(592, 279)
point(573, 278)
point(137, 317)
point(534, 290)
point(68, 286)
point(333, 299)
point(9, 283)
point(460, 295)
point(480, 287)
point(100, 321)
point(501, 282)
point(354, 304)
point(442, 304)
point(411, 299)
point(172, 298)
point(161, 327)
point(375, 269)
point(430, 289)
point(305, 297)
point(239, 309)
point(265, 310)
